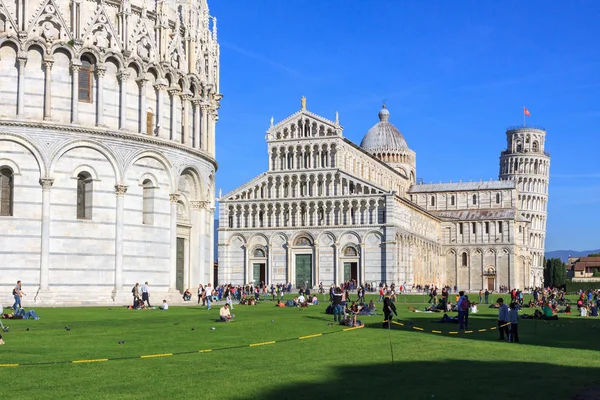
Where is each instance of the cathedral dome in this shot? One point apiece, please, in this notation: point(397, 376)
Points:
point(384, 137)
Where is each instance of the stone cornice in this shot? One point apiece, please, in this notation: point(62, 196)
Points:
point(110, 133)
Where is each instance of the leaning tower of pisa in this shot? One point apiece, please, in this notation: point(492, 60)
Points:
point(526, 162)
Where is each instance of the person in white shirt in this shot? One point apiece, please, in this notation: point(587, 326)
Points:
point(502, 318)
point(301, 299)
point(146, 294)
point(474, 308)
point(208, 293)
point(164, 306)
point(225, 315)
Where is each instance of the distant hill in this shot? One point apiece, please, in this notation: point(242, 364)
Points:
point(565, 254)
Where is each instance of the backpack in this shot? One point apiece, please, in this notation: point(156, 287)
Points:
point(465, 304)
point(133, 290)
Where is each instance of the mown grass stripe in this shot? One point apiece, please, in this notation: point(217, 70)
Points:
point(310, 336)
point(157, 355)
point(9, 365)
point(89, 361)
point(261, 344)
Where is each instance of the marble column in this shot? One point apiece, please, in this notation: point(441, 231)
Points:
point(22, 59)
point(173, 233)
point(123, 77)
point(185, 119)
point(75, 92)
point(45, 244)
point(47, 89)
point(204, 129)
point(211, 250)
point(120, 191)
point(100, 72)
point(143, 107)
point(174, 93)
point(160, 88)
point(197, 121)
point(199, 231)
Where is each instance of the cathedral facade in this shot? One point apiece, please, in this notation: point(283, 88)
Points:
point(107, 148)
point(328, 210)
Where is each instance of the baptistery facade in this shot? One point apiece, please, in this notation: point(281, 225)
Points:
point(107, 148)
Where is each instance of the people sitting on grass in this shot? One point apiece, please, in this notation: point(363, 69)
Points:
point(279, 304)
point(164, 306)
point(187, 295)
point(225, 315)
point(473, 308)
point(301, 301)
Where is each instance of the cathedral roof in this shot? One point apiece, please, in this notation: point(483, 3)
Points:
point(462, 186)
point(384, 137)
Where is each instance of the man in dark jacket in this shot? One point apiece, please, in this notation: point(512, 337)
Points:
point(388, 309)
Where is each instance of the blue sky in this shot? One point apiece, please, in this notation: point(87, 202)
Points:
point(454, 74)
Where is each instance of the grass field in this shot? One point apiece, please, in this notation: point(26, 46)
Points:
point(556, 360)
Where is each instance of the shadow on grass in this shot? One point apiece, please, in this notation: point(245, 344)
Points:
point(572, 333)
point(446, 379)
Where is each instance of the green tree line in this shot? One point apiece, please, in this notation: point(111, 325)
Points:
point(555, 272)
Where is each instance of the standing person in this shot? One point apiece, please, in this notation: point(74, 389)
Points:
point(487, 295)
point(502, 318)
point(200, 290)
point(480, 297)
point(444, 298)
point(462, 305)
point(337, 305)
point(136, 295)
point(146, 294)
point(513, 318)
point(381, 295)
point(388, 310)
point(208, 293)
point(18, 294)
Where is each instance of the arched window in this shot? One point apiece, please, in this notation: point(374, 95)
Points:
point(6, 191)
point(452, 200)
point(259, 253)
point(519, 146)
point(148, 202)
point(85, 80)
point(464, 259)
point(432, 201)
point(303, 241)
point(497, 198)
point(84, 195)
point(535, 147)
point(474, 199)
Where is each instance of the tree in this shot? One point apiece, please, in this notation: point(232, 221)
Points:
point(594, 255)
point(555, 273)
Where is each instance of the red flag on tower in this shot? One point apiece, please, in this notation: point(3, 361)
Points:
point(526, 112)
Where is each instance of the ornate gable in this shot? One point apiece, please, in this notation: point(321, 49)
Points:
point(7, 22)
point(142, 42)
point(100, 32)
point(176, 53)
point(304, 124)
point(49, 23)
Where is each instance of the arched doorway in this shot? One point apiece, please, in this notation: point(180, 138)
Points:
point(303, 262)
point(490, 276)
point(350, 262)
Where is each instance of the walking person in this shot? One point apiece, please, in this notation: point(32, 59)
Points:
point(146, 294)
point(389, 309)
point(502, 318)
point(208, 293)
point(18, 295)
point(136, 295)
point(337, 305)
point(513, 318)
point(480, 297)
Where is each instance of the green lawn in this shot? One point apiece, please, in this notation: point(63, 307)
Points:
point(556, 360)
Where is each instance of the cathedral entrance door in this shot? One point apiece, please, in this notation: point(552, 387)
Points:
point(491, 283)
point(259, 273)
point(303, 270)
point(180, 264)
point(350, 271)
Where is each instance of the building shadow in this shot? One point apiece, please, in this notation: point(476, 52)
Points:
point(446, 379)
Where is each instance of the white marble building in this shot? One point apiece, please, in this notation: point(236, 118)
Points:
point(107, 148)
point(328, 211)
